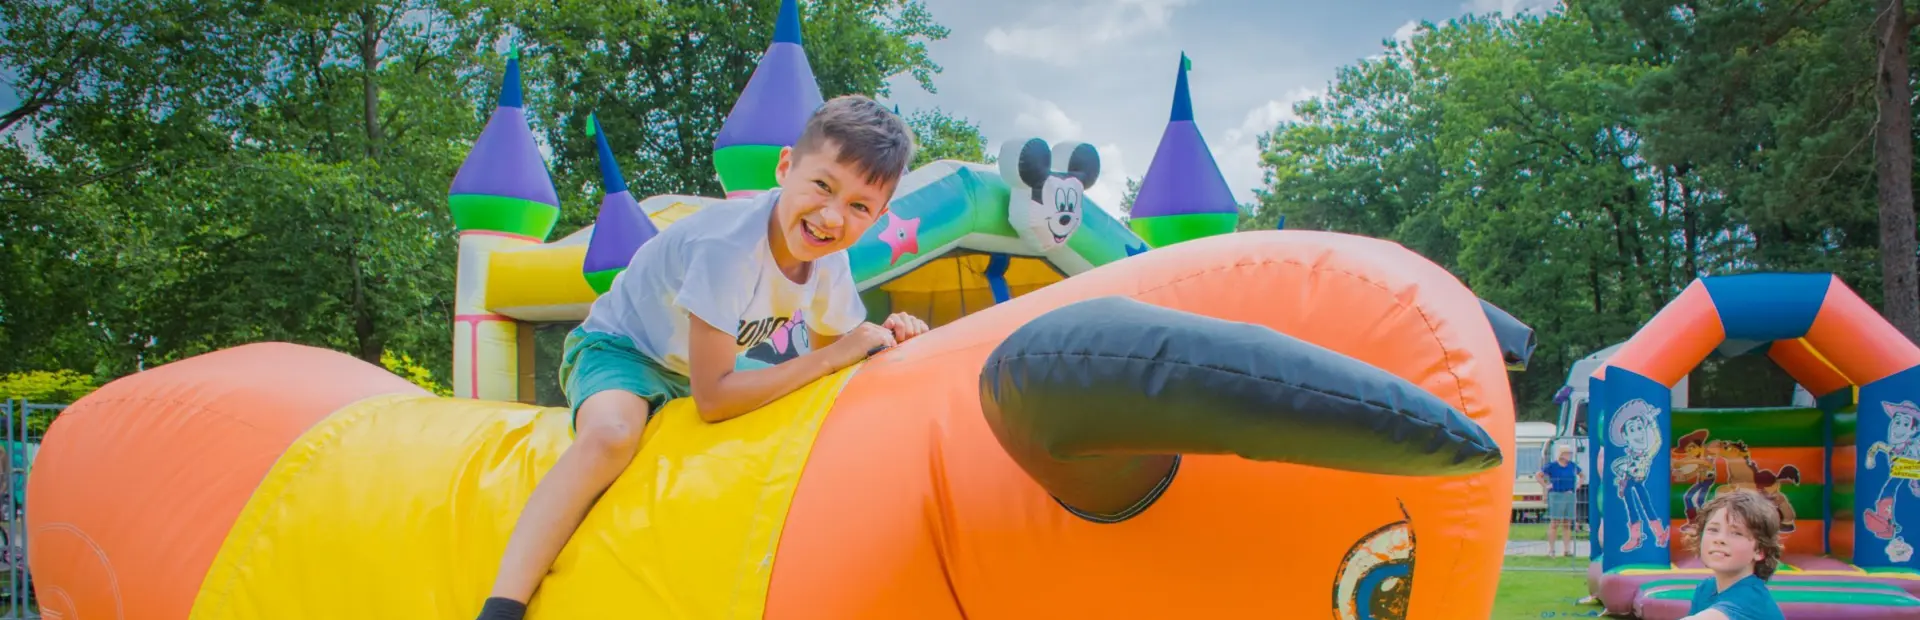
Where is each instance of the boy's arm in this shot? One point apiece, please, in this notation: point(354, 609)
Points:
point(819, 340)
point(721, 392)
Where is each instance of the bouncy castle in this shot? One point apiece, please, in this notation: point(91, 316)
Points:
point(1257, 424)
point(960, 236)
point(1844, 473)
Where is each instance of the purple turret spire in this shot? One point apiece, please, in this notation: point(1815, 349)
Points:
point(771, 110)
point(1183, 196)
point(504, 187)
point(621, 226)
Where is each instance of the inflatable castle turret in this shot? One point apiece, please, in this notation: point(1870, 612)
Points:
point(621, 226)
point(770, 113)
point(502, 198)
point(1184, 196)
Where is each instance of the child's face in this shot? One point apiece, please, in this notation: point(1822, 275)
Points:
point(825, 205)
point(1726, 546)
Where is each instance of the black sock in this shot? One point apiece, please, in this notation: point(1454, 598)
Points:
point(497, 608)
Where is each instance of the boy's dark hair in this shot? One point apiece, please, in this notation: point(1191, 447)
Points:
point(1761, 519)
point(871, 138)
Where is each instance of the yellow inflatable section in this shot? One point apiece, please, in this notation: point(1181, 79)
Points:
point(688, 531)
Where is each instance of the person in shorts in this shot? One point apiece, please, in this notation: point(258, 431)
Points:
point(1561, 478)
point(694, 298)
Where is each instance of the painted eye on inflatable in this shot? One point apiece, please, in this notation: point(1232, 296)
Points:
point(1376, 578)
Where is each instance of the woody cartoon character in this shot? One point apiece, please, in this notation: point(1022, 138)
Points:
point(1692, 464)
point(1901, 450)
point(1635, 428)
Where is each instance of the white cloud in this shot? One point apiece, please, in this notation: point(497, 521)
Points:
point(1238, 155)
point(1112, 184)
point(1262, 118)
point(1405, 32)
point(1044, 118)
point(1071, 32)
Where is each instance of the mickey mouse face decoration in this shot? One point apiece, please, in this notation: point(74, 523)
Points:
point(1049, 186)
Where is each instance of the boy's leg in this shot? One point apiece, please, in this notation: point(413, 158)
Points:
point(613, 389)
point(608, 428)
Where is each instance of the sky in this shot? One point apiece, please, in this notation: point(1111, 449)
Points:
point(1102, 71)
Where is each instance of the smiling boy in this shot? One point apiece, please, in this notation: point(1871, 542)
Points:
point(1740, 542)
point(708, 288)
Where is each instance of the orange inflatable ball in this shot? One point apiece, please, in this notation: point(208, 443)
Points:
point(1276, 424)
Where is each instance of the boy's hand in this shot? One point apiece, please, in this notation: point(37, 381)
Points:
point(857, 344)
point(904, 326)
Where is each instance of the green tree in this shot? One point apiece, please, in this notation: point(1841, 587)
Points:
point(939, 135)
point(1126, 199)
point(187, 176)
point(664, 91)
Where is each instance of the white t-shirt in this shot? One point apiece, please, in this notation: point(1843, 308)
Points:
point(717, 264)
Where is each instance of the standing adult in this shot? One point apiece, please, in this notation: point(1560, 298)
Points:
point(1561, 477)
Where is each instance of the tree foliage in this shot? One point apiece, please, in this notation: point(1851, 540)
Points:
point(939, 135)
point(184, 176)
point(1580, 168)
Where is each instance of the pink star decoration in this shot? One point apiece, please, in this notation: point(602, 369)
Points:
point(903, 235)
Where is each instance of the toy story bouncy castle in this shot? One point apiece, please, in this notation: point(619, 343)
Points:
point(1844, 473)
point(1259, 424)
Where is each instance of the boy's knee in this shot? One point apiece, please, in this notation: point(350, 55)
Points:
point(611, 422)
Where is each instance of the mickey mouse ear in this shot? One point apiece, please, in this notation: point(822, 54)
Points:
point(1079, 160)
point(1013, 161)
point(1026, 162)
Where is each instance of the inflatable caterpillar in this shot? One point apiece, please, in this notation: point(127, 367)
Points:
point(1278, 424)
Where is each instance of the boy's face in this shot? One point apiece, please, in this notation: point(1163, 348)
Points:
point(825, 205)
point(1726, 546)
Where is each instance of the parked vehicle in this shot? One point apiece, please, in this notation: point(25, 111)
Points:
point(1530, 442)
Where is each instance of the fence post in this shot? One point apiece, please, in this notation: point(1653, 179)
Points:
point(15, 459)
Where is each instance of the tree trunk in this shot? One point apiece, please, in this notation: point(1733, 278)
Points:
point(1893, 160)
point(369, 80)
point(368, 341)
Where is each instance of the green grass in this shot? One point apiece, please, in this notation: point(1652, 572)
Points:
point(1534, 531)
point(1541, 587)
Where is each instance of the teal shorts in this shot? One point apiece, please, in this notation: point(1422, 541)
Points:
point(594, 362)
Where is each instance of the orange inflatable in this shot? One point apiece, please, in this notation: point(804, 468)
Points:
point(1278, 424)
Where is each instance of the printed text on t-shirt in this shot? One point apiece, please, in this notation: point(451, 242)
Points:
point(752, 332)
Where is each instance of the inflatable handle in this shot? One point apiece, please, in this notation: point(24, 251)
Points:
point(1095, 400)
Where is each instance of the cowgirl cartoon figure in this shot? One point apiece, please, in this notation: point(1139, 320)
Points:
point(1903, 454)
point(1635, 428)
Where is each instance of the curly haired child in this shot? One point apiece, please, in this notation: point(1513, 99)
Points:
point(1739, 540)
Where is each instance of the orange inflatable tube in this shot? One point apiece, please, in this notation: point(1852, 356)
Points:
point(1270, 424)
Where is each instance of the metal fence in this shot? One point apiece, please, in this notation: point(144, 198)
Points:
point(22, 421)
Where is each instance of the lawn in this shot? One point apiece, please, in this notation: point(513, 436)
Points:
point(1539, 587)
point(1534, 531)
